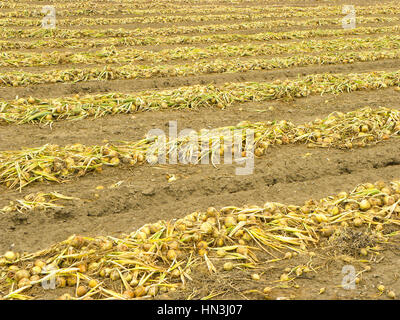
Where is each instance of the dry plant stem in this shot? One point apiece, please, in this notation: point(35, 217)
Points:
point(196, 96)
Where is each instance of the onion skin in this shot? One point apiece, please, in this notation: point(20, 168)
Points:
point(381, 288)
point(81, 291)
point(171, 255)
point(23, 282)
point(10, 256)
point(22, 274)
point(128, 294)
point(139, 291)
point(228, 266)
point(365, 205)
point(93, 283)
point(255, 276)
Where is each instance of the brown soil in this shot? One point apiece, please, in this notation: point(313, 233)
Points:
point(129, 86)
point(286, 174)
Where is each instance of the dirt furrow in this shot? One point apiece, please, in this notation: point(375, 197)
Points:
point(290, 174)
point(135, 127)
point(129, 86)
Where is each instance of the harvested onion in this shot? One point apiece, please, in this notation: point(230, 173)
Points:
point(228, 266)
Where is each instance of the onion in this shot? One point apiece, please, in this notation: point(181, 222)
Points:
point(128, 277)
point(327, 232)
point(106, 245)
point(365, 205)
point(320, 218)
point(181, 227)
point(357, 222)
point(305, 210)
point(391, 294)
point(259, 152)
point(10, 256)
point(82, 267)
point(93, 266)
point(389, 200)
point(140, 235)
point(267, 290)
point(134, 282)
point(206, 227)
point(342, 194)
point(146, 230)
point(288, 255)
point(36, 270)
point(65, 296)
point(173, 245)
point(202, 245)
point(114, 275)
point(228, 266)
point(246, 237)
point(93, 283)
point(239, 234)
point(140, 157)
point(81, 291)
point(333, 210)
point(202, 252)
point(23, 282)
point(230, 221)
point(152, 291)
point(22, 274)
point(139, 291)
point(255, 276)
point(212, 220)
point(284, 277)
point(35, 277)
point(128, 294)
point(71, 281)
point(242, 250)
point(171, 255)
point(374, 202)
point(155, 227)
point(61, 282)
point(175, 273)
point(221, 253)
point(211, 212)
point(220, 242)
